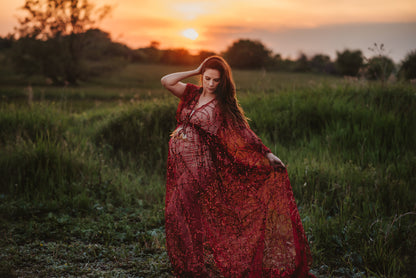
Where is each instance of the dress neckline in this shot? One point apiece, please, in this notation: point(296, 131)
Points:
point(196, 100)
point(195, 109)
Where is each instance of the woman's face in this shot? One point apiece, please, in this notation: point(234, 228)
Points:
point(210, 80)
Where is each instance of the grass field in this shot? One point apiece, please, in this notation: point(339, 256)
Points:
point(83, 171)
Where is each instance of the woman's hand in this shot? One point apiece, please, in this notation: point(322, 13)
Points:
point(275, 161)
point(199, 69)
point(173, 83)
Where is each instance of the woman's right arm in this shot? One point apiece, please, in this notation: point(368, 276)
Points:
point(172, 81)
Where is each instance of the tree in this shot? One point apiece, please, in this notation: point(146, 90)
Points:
point(6, 42)
point(97, 44)
point(279, 64)
point(150, 54)
point(52, 18)
point(379, 68)
point(408, 66)
point(203, 54)
point(302, 63)
point(322, 64)
point(178, 56)
point(49, 38)
point(349, 62)
point(248, 54)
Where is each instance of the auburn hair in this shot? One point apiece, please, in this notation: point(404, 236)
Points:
point(226, 92)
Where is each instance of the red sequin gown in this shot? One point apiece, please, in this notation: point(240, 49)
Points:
point(228, 212)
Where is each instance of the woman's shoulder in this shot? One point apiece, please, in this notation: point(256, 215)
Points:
point(191, 89)
point(188, 95)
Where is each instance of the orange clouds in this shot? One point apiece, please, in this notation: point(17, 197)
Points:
point(218, 22)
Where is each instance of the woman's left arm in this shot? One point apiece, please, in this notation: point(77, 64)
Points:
point(255, 140)
point(242, 140)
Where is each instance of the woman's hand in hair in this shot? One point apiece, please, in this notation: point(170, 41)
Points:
point(199, 69)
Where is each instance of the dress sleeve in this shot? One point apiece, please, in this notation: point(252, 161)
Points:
point(188, 95)
point(190, 91)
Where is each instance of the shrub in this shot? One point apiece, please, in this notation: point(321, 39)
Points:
point(140, 132)
point(408, 66)
point(25, 123)
point(379, 68)
point(248, 54)
point(349, 62)
point(42, 170)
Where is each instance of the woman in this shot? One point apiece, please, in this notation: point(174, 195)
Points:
point(230, 210)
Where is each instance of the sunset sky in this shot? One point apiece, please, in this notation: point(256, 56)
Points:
point(287, 27)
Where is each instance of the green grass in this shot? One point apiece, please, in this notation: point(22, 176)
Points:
point(83, 171)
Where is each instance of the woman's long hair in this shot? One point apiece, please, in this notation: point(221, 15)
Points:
point(226, 91)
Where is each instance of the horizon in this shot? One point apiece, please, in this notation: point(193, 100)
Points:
point(287, 28)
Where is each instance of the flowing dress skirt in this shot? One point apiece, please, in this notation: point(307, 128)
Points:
point(228, 212)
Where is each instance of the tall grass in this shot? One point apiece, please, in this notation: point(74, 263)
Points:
point(140, 132)
point(351, 158)
point(349, 149)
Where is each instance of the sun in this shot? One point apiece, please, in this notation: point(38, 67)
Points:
point(190, 33)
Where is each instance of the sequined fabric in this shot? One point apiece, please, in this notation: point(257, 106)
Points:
point(228, 212)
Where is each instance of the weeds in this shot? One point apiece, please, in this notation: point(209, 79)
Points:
point(82, 189)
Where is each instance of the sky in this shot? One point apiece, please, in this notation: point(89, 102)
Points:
point(286, 27)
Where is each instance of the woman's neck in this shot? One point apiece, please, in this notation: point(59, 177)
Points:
point(206, 94)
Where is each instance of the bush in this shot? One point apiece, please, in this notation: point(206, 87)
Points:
point(43, 170)
point(379, 68)
point(408, 66)
point(349, 62)
point(141, 132)
point(31, 124)
point(248, 54)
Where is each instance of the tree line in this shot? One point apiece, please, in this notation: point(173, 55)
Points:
point(59, 40)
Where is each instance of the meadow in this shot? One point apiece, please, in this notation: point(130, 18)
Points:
point(83, 171)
